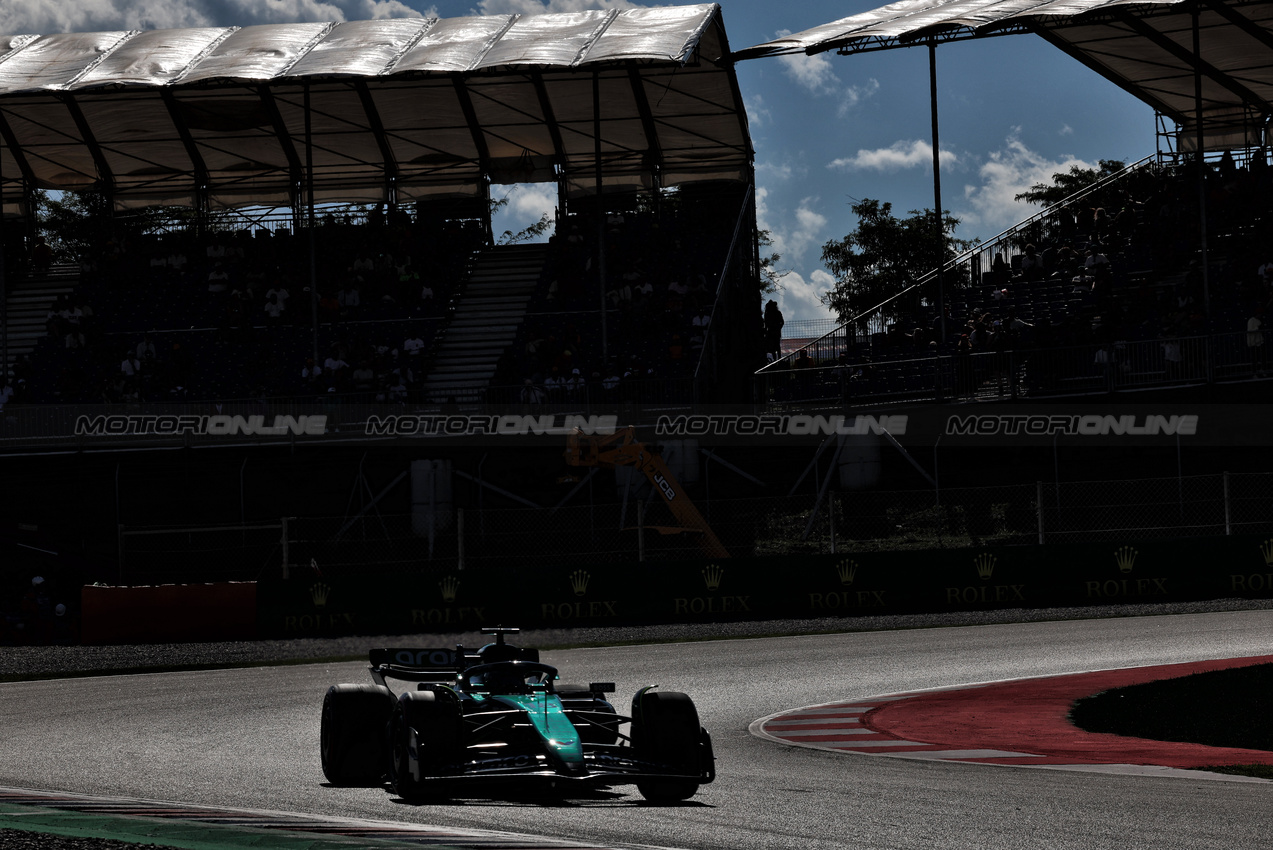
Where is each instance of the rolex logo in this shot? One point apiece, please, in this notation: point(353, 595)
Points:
point(1267, 551)
point(985, 564)
point(449, 586)
point(712, 574)
point(318, 593)
point(1125, 557)
point(847, 570)
point(579, 582)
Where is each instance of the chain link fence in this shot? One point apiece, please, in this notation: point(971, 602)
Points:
point(644, 529)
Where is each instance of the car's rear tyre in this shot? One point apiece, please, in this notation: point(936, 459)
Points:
point(432, 723)
point(352, 739)
point(665, 732)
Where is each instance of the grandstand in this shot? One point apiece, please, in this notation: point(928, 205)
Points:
point(1145, 280)
point(635, 115)
point(311, 167)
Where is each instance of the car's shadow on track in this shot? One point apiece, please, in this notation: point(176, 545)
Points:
point(544, 799)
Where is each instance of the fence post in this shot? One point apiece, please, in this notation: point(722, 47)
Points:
point(641, 531)
point(287, 561)
point(1038, 501)
point(459, 533)
point(1227, 527)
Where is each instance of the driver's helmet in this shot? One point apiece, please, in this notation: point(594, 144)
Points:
point(506, 680)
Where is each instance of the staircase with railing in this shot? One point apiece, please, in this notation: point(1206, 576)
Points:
point(27, 306)
point(484, 321)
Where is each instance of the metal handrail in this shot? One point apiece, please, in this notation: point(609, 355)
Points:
point(965, 256)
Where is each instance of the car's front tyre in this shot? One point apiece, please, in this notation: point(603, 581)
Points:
point(426, 738)
point(352, 734)
point(666, 733)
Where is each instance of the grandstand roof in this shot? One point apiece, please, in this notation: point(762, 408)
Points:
point(429, 107)
point(1144, 46)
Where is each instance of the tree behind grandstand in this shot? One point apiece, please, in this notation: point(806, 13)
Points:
point(884, 256)
point(1067, 183)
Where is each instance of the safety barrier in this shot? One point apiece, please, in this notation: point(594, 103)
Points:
point(168, 613)
point(847, 584)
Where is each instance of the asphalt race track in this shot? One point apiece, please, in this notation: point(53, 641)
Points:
point(249, 739)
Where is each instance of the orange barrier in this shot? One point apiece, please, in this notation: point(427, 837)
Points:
point(168, 613)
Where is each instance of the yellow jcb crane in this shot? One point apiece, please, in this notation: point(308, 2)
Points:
point(622, 448)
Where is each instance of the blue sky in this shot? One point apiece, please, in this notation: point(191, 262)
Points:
point(827, 129)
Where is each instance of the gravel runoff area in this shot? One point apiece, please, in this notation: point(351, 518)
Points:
point(24, 662)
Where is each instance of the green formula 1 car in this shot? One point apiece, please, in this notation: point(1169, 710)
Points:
point(499, 715)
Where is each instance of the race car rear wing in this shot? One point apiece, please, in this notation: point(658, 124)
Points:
point(416, 664)
point(422, 664)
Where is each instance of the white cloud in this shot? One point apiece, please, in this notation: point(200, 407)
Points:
point(1005, 174)
point(54, 16)
point(899, 155)
point(535, 7)
point(853, 95)
point(799, 299)
point(813, 72)
point(758, 114)
point(794, 233)
point(527, 202)
point(1066, 130)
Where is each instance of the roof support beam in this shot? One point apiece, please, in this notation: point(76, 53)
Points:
point(105, 177)
point(475, 126)
point(15, 148)
point(200, 167)
point(546, 107)
point(1184, 54)
point(1243, 23)
point(296, 173)
point(655, 156)
point(382, 141)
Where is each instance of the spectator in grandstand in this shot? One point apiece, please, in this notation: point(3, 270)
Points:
point(675, 350)
point(364, 377)
point(218, 277)
point(334, 362)
point(41, 256)
point(773, 329)
point(6, 393)
point(1000, 272)
point(274, 311)
point(350, 298)
point(396, 390)
point(130, 366)
point(1017, 328)
point(1255, 341)
point(312, 375)
point(146, 351)
point(278, 293)
point(1032, 263)
point(364, 265)
point(1171, 358)
point(1265, 273)
point(943, 324)
point(1094, 260)
point(534, 395)
point(176, 263)
point(413, 346)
